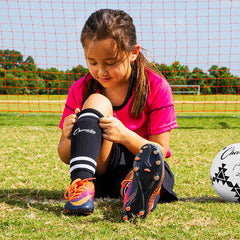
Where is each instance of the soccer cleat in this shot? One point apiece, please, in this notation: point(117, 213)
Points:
point(142, 193)
point(80, 197)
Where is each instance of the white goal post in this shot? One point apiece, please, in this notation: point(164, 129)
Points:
point(186, 86)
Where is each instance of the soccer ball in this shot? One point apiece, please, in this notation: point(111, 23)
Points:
point(225, 173)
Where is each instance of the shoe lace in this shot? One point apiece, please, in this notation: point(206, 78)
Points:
point(76, 188)
point(125, 183)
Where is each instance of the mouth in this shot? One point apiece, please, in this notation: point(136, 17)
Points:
point(104, 79)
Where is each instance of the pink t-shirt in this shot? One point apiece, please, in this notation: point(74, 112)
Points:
point(158, 115)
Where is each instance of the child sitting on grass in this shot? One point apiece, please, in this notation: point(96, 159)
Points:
point(116, 123)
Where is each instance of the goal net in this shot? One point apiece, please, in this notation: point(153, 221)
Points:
point(194, 43)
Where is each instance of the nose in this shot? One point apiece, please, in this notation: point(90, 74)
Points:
point(102, 70)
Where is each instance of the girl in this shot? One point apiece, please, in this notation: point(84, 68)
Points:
point(116, 123)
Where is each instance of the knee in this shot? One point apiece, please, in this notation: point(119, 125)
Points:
point(99, 102)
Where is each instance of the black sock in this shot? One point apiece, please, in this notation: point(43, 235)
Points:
point(86, 143)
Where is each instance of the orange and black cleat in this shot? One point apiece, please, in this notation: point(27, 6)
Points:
point(144, 189)
point(80, 197)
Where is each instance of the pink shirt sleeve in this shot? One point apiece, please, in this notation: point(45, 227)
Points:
point(162, 116)
point(74, 98)
point(69, 107)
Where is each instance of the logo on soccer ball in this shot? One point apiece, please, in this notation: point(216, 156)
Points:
point(225, 173)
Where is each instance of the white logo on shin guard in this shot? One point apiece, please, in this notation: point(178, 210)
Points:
point(78, 130)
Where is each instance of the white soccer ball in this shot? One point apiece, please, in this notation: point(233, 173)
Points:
point(225, 173)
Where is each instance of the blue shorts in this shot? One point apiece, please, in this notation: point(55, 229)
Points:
point(120, 164)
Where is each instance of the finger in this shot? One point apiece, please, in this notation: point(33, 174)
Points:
point(77, 110)
point(103, 126)
point(71, 120)
point(105, 120)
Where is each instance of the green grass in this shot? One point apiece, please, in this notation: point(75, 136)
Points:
point(33, 180)
point(183, 103)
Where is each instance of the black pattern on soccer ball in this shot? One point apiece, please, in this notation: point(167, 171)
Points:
point(222, 177)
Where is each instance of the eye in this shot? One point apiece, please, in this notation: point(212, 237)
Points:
point(93, 63)
point(110, 63)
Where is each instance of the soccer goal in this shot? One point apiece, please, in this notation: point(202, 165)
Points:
point(194, 44)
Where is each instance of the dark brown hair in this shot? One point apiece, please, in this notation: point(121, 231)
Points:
point(118, 25)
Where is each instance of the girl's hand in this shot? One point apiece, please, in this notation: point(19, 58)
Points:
point(113, 129)
point(68, 124)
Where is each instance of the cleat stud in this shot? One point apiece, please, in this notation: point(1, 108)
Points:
point(156, 178)
point(140, 150)
point(135, 169)
point(136, 158)
point(141, 213)
point(155, 152)
point(125, 218)
point(128, 209)
point(158, 163)
point(145, 147)
point(147, 170)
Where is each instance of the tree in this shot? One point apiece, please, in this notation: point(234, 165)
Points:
point(222, 81)
point(62, 86)
point(41, 86)
point(23, 77)
point(176, 74)
point(198, 77)
point(30, 71)
point(75, 74)
point(10, 59)
point(3, 89)
point(13, 85)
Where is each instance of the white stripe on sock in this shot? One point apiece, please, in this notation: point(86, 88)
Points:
point(81, 166)
point(89, 114)
point(83, 158)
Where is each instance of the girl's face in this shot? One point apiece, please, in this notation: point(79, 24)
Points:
point(104, 64)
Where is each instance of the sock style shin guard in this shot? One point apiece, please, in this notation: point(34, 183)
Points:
point(86, 143)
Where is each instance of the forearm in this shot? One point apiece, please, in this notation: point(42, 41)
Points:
point(115, 131)
point(64, 149)
point(134, 142)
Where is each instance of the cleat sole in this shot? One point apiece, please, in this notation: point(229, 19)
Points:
point(141, 213)
point(158, 163)
point(128, 209)
point(156, 178)
point(148, 173)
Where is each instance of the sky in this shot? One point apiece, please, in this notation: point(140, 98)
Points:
point(197, 33)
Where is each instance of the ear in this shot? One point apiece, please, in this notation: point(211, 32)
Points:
point(134, 53)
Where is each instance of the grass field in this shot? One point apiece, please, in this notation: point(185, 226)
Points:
point(33, 180)
point(183, 103)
